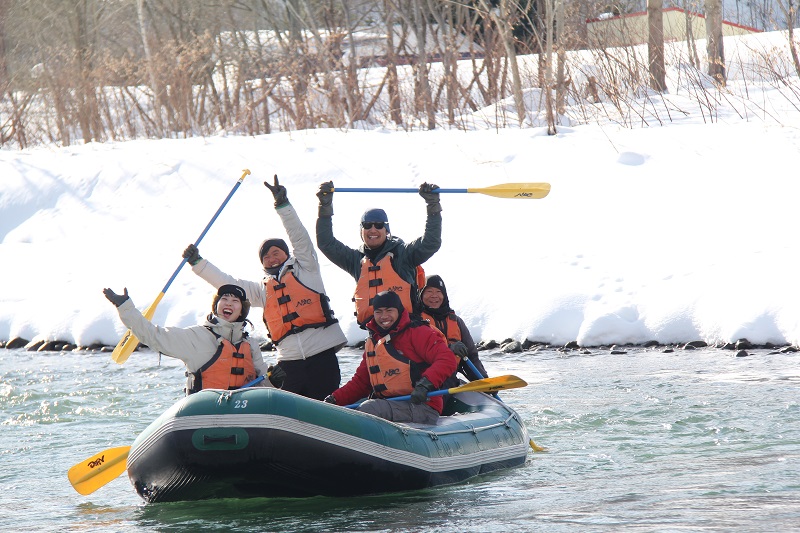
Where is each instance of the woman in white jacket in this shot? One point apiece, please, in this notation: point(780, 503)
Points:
point(299, 320)
point(218, 354)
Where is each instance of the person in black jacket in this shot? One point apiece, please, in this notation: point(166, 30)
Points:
point(383, 261)
point(436, 309)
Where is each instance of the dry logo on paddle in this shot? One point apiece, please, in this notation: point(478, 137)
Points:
point(523, 195)
point(97, 462)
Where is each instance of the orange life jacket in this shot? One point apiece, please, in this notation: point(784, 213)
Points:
point(375, 278)
point(447, 325)
point(230, 368)
point(292, 307)
point(390, 372)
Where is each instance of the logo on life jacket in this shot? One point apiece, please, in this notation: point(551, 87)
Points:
point(304, 301)
point(392, 372)
point(396, 288)
point(97, 462)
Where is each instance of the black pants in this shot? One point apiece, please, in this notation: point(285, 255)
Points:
point(315, 377)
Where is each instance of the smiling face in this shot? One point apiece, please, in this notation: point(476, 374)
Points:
point(386, 316)
point(274, 257)
point(432, 297)
point(229, 307)
point(372, 236)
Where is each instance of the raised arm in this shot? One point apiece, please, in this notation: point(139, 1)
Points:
point(190, 345)
point(420, 250)
point(341, 255)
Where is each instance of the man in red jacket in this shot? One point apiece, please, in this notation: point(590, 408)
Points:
point(401, 356)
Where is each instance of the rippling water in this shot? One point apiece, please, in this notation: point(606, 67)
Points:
point(643, 441)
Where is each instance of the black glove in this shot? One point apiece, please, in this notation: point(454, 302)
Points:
point(421, 390)
point(192, 255)
point(278, 192)
point(431, 198)
point(460, 349)
point(116, 299)
point(276, 375)
point(330, 399)
point(325, 196)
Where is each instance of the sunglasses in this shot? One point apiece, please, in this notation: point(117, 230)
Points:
point(376, 225)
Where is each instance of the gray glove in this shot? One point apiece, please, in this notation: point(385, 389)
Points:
point(431, 198)
point(420, 393)
point(192, 255)
point(116, 299)
point(278, 192)
point(330, 399)
point(460, 349)
point(325, 196)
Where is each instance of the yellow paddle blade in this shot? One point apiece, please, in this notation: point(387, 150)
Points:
point(98, 470)
point(536, 447)
point(490, 384)
point(129, 342)
point(515, 190)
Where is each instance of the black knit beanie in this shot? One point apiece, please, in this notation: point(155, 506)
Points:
point(387, 299)
point(269, 243)
point(435, 281)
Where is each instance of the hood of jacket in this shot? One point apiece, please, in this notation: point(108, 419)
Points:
point(232, 331)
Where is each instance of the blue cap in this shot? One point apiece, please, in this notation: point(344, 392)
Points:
point(376, 215)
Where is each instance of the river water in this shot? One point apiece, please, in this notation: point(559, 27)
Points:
point(642, 441)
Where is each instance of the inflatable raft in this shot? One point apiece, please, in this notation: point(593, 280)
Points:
point(264, 442)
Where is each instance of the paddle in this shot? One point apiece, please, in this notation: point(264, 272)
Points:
point(479, 385)
point(129, 342)
point(504, 190)
point(99, 469)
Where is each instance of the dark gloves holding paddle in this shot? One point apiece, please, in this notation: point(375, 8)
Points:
point(116, 299)
point(325, 196)
point(420, 393)
point(276, 375)
point(431, 198)
point(330, 399)
point(192, 255)
point(460, 349)
point(278, 192)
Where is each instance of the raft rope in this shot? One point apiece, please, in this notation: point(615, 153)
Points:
point(472, 429)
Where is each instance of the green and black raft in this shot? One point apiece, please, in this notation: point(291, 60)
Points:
point(264, 442)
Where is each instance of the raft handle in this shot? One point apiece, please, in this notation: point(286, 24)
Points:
point(230, 439)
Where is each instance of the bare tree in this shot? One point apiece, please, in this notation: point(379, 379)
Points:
point(395, 109)
point(549, 25)
point(150, 66)
point(561, 57)
point(789, 10)
point(297, 57)
point(420, 29)
point(715, 47)
point(5, 6)
point(655, 45)
point(504, 17)
point(688, 12)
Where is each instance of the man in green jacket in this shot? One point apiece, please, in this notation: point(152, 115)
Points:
point(383, 261)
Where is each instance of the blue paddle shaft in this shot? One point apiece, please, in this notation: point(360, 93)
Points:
point(368, 189)
point(208, 226)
